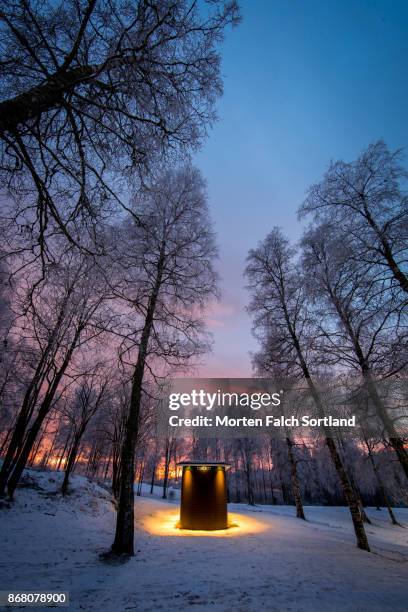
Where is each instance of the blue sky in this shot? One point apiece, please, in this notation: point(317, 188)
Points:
point(305, 81)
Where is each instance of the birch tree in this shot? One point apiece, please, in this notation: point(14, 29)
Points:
point(369, 334)
point(368, 200)
point(284, 326)
point(169, 278)
point(57, 319)
point(87, 400)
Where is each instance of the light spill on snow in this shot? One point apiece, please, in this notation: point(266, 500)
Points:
point(165, 521)
point(52, 543)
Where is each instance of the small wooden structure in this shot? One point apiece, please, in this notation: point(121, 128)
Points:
point(203, 495)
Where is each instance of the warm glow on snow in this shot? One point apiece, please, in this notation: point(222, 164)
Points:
point(165, 523)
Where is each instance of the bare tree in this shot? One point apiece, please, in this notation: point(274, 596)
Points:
point(169, 445)
point(284, 327)
point(12, 358)
point(119, 424)
point(87, 399)
point(169, 279)
point(368, 200)
point(92, 89)
point(370, 446)
point(246, 447)
point(59, 318)
point(370, 334)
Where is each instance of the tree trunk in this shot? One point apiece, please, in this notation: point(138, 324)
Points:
point(381, 485)
point(116, 476)
point(167, 459)
point(70, 465)
point(265, 496)
point(140, 483)
point(30, 399)
point(124, 534)
point(295, 481)
point(42, 414)
point(353, 483)
point(25, 452)
point(50, 451)
point(33, 456)
point(271, 485)
point(396, 442)
point(72, 458)
point(350, 498)
point(123, 542)
point(15, 442)
point(248, 478)
point(348, 493)
point(63, 451)
point(42, 98)
point(237, 490)
point(6, 439)
point(107, 466)
point(153, 477)
point(386, 249)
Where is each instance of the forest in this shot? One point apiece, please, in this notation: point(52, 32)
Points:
point(108, 269)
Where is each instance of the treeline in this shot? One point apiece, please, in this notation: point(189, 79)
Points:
point(263, 470)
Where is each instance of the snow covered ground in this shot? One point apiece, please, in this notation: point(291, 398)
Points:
point(269, 561)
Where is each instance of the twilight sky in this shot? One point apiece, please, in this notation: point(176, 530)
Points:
point(305, 81)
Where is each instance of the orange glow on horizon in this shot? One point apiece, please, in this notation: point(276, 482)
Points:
point(173, 473)
point(51, 461)
point(55, 460)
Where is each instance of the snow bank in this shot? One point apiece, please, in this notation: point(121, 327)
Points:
point(48, 542)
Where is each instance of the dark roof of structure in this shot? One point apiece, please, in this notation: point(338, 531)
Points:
point(198, 462)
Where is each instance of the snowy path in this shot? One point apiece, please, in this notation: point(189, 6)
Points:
point(271, 561)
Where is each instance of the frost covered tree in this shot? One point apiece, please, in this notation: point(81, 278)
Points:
point(285, 328)
point(56, 318)
point(90, 396)
point(8, 353)
point(363, 329)
point(92, 90)
point(167, 257)
point(368, 200)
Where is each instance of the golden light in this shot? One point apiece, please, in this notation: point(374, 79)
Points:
point(203, 510)
point(203, 495)
point(51, 461)
point(166, 523)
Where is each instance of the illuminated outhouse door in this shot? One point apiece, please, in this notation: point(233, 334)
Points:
point(203, 495)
